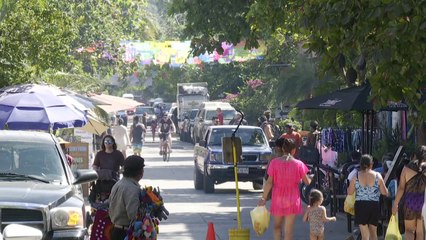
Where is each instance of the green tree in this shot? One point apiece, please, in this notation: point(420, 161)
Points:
point(59, 41)
point(382, 41)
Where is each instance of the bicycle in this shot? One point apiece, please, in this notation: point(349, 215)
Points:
point(322, 179)
point(165, 147)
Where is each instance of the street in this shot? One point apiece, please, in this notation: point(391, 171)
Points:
point(191, 210)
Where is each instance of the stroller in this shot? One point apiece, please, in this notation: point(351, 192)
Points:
point(98, 198)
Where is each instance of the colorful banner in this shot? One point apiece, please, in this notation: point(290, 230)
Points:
point(177, 53)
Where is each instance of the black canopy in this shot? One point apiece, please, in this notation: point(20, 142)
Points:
point(353, 98)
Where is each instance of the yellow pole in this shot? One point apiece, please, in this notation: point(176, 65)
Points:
point(237, 192)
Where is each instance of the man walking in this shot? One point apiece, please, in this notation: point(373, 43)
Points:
point(124, 200)
point(137, 132)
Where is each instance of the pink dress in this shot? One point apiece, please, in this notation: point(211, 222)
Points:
point(286, 176)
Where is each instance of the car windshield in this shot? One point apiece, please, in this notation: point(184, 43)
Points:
point(148, 110)
point(249, 136)
point(36, 160)
point(227, 114)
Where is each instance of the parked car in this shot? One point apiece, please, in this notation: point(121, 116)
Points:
point(210, 167)
point(140, 110)
point(38, 187)
point(205, 114)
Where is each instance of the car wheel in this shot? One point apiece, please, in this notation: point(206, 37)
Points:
point(257, 186)
point(208, 184)
point(198, 179)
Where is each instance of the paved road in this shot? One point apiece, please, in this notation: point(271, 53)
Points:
point(191, 210)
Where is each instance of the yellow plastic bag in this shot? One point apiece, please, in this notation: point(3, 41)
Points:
point(349, 205)
point(260, 217)
point(392, 233)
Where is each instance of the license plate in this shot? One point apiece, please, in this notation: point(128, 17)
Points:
point(243, 170)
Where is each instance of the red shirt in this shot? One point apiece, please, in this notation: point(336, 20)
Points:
point(220, 118)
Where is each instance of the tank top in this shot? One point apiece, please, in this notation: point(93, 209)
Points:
point(367, 193)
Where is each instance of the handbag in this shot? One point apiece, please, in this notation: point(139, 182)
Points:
point(349, 205)
point(392, 233)
point(260, 218)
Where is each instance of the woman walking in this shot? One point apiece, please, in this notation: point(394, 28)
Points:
point(285, 173)
point(367, 186)
point(411, 194)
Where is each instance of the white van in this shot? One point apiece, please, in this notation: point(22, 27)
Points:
point(205, 115)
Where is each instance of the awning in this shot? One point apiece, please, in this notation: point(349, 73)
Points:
point(115, 103)
point(94, 125)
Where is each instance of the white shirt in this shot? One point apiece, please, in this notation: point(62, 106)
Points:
point(329, 157)
point(119, 132)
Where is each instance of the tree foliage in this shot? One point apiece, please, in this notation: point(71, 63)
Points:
point(382, 41)
point(75, 40)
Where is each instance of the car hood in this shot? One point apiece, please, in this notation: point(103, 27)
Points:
point(35, 193)
point(246, 149)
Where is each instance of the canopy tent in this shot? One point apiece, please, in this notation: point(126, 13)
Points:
point(353, 99)
point(115, 103)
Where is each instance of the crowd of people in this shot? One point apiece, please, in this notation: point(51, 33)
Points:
point(365, 178)
point(364, 174)
point(116, 201)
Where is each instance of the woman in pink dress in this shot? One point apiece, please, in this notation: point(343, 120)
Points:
point(285, 174)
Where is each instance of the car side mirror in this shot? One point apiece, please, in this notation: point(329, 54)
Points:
point(202, 142)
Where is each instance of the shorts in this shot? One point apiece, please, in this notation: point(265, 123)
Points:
point(164, 136)
point(367, 212)
point(137, 147)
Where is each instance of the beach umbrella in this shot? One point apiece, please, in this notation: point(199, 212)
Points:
point(38, 111)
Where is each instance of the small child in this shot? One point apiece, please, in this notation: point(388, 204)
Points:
point(316, 215)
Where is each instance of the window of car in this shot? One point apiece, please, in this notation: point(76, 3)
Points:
point(30, 158)
point(227, 114)
point(141, 110)
point(249, 136)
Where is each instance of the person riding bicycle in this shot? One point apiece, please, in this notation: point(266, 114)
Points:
point(166, 127)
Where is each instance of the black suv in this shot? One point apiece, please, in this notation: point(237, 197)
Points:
point(38, 188)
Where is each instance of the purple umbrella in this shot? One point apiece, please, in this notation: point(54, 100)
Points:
point(38, 111)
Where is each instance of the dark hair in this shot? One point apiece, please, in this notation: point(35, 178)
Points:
point(356, 156)
point(114, 145)
point(135, 120)
point(288, 145)
point(133, 166)
point(120, 121)
point(279, 142)
point(366, 161)
point(420, 153)
point(314, 196)
point(314, 124)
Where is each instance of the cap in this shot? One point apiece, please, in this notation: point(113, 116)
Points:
point(289, 125)
point(133, 163)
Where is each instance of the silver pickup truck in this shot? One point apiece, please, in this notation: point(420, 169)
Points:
point(38, 188)
point(210, 167)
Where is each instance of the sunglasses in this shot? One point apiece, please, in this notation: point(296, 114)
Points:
point(108, 141)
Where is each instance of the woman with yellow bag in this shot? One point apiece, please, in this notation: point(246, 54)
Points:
point(410, 194)
point(367, 186)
